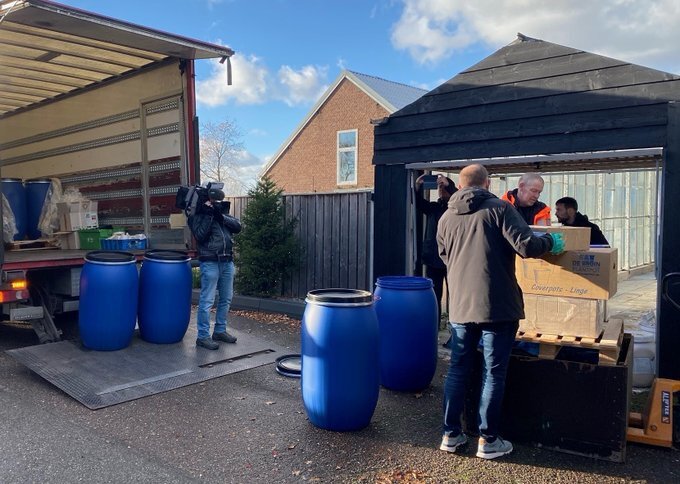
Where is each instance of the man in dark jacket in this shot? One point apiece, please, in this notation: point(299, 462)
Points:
point(566, 211)
point(434, 266)
point(478, 237)
point(213, 231)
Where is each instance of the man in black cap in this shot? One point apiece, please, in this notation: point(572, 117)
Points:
point(213, 230)
point(435, 268)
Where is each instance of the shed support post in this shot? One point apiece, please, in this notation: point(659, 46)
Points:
point(668, 316)
point(390, 229)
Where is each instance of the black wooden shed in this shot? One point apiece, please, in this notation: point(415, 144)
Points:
point(535, 105)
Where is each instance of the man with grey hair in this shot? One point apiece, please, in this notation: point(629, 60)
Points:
point(525, 199)
point(478, 237)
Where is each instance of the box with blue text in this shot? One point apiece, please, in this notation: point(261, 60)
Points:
point(586, 274)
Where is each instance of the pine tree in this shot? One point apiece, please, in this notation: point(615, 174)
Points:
point(267, 247)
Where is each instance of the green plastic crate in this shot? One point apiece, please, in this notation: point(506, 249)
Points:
point(90, 239)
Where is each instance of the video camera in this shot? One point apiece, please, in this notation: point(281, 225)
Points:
point(192, 199)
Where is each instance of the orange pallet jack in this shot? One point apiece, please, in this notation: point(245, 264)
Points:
point(655, 425)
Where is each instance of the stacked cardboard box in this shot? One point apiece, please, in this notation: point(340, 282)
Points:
point(77, 215)
point(566, 294)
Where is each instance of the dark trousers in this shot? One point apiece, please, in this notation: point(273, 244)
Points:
point(497, 339)
point(437, 275)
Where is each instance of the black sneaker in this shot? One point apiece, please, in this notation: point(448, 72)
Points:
point(226, 337)
point(207, 343)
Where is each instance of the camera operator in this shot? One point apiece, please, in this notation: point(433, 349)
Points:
point(213, 230)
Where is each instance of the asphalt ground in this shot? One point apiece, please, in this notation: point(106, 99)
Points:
point(251, 427)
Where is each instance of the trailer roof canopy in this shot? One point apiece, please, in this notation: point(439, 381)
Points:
point(48, 50)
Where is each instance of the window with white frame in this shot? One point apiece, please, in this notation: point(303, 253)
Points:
point(347, 157)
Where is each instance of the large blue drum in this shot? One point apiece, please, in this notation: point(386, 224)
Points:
point(340, 375)
point(407, 314)
point(109, 285)
point(14, 190)
point(36, 190)
point(164, 296)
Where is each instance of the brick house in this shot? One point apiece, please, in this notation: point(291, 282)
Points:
point(332, 148)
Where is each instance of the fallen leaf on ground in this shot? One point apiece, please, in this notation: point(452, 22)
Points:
point(264, 317)
point(401, 476)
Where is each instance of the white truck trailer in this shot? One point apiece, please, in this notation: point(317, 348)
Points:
point(106, 107)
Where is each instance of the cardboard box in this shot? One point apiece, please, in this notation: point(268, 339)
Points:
point(67, 240)
point(77, 215)
point(575, 238)
point(566, 316)
point(588, 274)
point(178, 220)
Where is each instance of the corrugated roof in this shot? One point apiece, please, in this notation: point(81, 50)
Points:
point(396, 94)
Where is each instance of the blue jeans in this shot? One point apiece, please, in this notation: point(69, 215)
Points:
point(497, 339)
point(215, 277)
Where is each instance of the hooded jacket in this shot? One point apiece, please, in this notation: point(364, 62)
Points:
point(596, 235)
point(213, 232)
point(478, 237)
point(536, 214)
point(432, 211)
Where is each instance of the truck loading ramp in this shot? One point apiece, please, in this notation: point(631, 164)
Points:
point(98, 379)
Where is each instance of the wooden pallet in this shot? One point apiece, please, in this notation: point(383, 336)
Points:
point(38, 244)
point(608, 343)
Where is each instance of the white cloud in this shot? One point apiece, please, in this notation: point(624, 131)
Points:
point(257, 132)
point(639, 31)
point(245, 159)
point(303, 86)
point(250, 83)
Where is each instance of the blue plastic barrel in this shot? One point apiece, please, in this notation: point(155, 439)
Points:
point(14, 190)
point(407, 315)
point(36, 190)
point(109, 286)
point(164, 296)
point(340, 375)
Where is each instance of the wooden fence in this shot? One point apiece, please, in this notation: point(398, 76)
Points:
point(335, 232)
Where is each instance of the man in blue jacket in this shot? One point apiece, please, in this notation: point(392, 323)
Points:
point(213, 231)
point(478, 238)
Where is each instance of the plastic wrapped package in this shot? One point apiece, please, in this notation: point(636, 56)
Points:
point(9, 226)
point(49, 216)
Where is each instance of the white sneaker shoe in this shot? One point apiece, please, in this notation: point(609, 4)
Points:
point(497, 448)
point(451, 444)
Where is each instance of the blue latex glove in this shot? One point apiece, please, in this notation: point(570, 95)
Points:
point(558, 243)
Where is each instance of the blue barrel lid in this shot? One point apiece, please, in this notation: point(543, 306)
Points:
point(339, 296)
point(109, 256)
point(404, 282)
point(167, 255)
point(39, 180)
point(11, 180)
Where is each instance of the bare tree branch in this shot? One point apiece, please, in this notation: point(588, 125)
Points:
point(220, 145)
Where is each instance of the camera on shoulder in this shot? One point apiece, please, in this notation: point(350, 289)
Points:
point(192, 199)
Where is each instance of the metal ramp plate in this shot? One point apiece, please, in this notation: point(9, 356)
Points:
point(98, 379)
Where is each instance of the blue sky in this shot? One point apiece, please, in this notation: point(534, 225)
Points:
point(289, 51)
